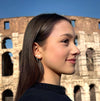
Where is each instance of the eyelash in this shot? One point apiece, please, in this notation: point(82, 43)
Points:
point(66, 41)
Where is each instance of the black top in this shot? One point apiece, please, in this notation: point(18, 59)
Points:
point(45, 92)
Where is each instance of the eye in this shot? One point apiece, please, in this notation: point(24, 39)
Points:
point(66, 41)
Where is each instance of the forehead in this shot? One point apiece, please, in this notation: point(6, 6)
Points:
point(61, 28)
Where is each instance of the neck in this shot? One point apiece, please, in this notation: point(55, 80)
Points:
point(51, 77)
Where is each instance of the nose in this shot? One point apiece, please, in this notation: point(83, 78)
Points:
point(75, 50)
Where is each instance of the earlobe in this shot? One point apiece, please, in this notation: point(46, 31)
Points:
point(37, 50)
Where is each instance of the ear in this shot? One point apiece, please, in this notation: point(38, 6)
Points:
point(37, 50)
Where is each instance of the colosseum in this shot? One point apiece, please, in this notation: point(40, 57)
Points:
point(84, 85)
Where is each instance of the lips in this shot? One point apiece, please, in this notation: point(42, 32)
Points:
point(73, 61)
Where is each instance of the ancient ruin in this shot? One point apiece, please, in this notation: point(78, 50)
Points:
point(84, 85)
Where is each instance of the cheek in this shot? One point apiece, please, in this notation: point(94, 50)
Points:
point(60, 52)
point(56, 54)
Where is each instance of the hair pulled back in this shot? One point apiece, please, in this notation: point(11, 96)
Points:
point(38, 30)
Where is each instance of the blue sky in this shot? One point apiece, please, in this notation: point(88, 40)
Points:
point(17, 8)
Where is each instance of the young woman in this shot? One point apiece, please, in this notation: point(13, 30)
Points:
point(48, 51)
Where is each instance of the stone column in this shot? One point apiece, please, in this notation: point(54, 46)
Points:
point(70, 91)
point(97, 93)
point(97, 53)
point(97, 61)
point(0, 95)
point(85, 94)
point(16, 49)
point(15, 54)
point(0, 59)
point(82, 57)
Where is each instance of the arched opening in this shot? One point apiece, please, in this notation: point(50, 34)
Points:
point(20, 60)
point(73, 22)
point(92, 93)
point(7, 95)
point(77, 93)
point(76, 40)
point(89, 58)
point(7, 64)
point(7, 43)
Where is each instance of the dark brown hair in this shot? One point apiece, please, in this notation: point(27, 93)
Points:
point(38, 30)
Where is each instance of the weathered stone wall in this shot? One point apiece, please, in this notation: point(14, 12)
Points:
point(81, 85)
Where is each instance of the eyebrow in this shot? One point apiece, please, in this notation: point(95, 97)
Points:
point(68, 35)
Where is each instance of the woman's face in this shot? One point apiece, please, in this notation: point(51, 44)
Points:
point(59, 52)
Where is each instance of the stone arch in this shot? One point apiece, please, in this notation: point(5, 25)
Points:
point(76, 40)
point(20, 53)
point(7, 64)
point(7, 95)
point(92, 92)
point(7, 43)
point(90, 59)
point(77, 93)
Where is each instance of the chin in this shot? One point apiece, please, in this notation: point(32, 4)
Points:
point(69, 72)
point(72, 73)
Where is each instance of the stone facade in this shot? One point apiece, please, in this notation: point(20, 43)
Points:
point(84, 85)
